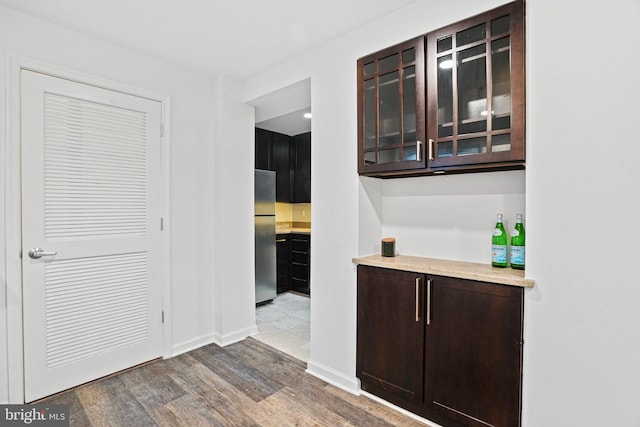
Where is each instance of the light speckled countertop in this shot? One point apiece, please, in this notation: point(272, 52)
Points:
point(442, 267)
point(286, 230)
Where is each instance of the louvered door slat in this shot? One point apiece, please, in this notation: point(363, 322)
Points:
point(83, 138)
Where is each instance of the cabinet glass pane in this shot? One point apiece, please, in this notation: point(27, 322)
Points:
point(370, 113)
point(410, 152)
point(500, 25)
point(472, 146)
point(388, 107)
point(370, 157)
point(445, 149)
point(445, 96)
point(472, 90)
point(369, 68)
point(408, 56)
point(470, 35)
point(501, 81)
point(445, 43)
point(409, 105)
point(501, 142)
point(390, 156)
point(388, 63)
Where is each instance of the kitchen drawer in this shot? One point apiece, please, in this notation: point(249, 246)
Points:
point(300, 245)
point(300, 271)
point(300, 257)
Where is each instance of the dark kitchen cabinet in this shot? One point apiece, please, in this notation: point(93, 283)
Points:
point(473, 351)
point(447, 349)
point(263, 149)
point(282, 263)
point(463, 110)
point(475, 90)
point(302, 168)
point(281, 164)
point(390, 333)
point(391, 122)
point(300, 258)
point(290, 158)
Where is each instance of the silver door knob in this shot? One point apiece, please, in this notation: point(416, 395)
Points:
point(36, 253)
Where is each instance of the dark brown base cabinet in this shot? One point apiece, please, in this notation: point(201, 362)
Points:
point(447, 349)
point(283, 283)
point(300, 257)
point(293, 262)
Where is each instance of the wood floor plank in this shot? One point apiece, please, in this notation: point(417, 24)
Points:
point(151, 385)
point(77, 416)
point(271, 362)
point(372, 407)
point(184, 411)
point(292, 411)
point(320, 400)
point(245, 377)
point(212, 392)
point(108, 403)
point(244, 384)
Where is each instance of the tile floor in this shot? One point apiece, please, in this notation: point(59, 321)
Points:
point(284, 324)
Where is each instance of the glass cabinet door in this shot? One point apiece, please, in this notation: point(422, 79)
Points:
point(475, 75)
point(391, 109)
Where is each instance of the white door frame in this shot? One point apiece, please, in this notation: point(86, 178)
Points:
point(13, 214)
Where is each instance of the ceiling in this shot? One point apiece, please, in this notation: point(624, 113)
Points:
point(240, 38)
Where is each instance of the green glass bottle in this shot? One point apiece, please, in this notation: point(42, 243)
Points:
point(499, 245)
point(517, 244)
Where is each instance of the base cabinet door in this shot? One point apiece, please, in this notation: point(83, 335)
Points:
point(474, 351)
point(300, 256)
point(390, 343)
point(282, 263)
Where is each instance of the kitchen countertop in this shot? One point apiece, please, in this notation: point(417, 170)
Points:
point(442, 267)
point(287, 230)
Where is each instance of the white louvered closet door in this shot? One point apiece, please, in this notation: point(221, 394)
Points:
point(91, 193)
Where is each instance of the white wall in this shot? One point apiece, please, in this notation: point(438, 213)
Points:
point(233, 239)
point(582, 343)
point(582, 346)
point(191, 137)
point(450, 217)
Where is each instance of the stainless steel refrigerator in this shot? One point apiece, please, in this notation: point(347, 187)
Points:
point(265, 232)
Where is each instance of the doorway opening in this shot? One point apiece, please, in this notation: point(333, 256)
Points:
point(283, 146)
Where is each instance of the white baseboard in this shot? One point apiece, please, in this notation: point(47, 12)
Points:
point(333, 377)
point(401, 410)
point(234, 337)
point(221, 340)
point(193, 344)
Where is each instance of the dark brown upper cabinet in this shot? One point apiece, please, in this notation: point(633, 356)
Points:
point(391, 125)
point(475, 90)
point(470, 97)
point(290, 158)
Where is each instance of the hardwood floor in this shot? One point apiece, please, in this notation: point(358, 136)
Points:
point(243, 384)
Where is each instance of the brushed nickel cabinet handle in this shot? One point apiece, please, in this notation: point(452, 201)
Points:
point(417, 299)
point(431, 149)
point(418, 151)
point(428, 302)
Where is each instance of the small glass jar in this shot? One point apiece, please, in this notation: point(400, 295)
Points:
point(388, 246)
